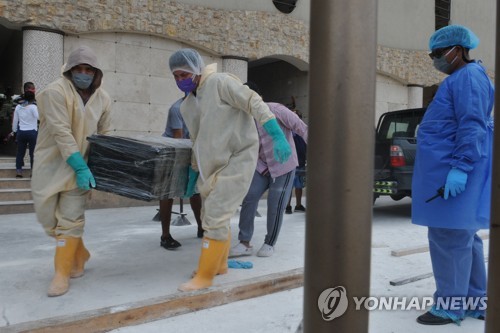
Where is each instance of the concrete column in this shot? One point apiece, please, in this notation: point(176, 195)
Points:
point(415, 96)
point(343, 52)
point(492, 318)
point(237, 66)
point(43, 55)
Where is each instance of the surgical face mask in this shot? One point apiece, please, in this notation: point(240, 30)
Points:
point(187, 85)
point(82, 80)
point(442, 65)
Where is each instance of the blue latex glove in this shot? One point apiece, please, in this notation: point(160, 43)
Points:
point(84, 178)
point(239, 264)
point(191, 184)
point(282, 150)
point(455, 183)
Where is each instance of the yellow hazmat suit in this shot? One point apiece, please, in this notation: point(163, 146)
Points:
point(67, 117)
point(219, 112)
point(65, 123)
point(220, 119)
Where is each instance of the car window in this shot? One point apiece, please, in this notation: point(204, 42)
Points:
point(399, 127)
point(399, 124)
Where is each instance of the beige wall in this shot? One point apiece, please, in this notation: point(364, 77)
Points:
point(480, 17)
point(390, 95)
point(405, 24)
point(137, 77)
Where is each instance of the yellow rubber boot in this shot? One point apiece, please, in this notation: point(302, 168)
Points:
point(82, 255)
point(223, 264)
point(63, 262)
point(212, 252)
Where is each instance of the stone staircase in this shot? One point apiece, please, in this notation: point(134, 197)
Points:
point(15, 193)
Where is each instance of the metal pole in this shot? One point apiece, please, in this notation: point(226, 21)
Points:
point(340, 162)
point(492, 319)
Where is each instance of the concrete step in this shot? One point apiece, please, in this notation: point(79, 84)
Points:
point(8, 160)
point(97, 200)
point(15, 194)
point(12, 160)
point(8, 170)
point(12, 164)
point(16, 207)
point(15, 183)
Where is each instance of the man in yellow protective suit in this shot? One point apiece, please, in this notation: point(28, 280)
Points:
point(71, 108)
point(219, 112)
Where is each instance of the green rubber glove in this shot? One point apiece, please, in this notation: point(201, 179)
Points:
point(282, 150)
point(191, 184)
point(84, 178)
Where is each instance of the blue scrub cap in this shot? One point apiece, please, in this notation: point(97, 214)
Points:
point(453, 35)
point(187, 60)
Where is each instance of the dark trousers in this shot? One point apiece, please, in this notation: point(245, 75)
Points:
point(25, 139)
point(279, 190)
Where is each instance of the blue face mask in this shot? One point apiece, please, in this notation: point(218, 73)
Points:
point(82, 80)
point(187, 85)
point(442, 65)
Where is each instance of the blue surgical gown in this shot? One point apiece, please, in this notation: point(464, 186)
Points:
point(456, 131)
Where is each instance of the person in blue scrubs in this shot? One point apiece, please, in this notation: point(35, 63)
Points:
point(454, 152)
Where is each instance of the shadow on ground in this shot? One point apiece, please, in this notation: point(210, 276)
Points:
point(390, 209)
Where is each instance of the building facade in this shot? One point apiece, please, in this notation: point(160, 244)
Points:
point(264, 41)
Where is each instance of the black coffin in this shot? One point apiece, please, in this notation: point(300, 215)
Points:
point(145, 168)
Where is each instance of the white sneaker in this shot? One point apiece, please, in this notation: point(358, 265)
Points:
point(265, 251)
point(240, 250)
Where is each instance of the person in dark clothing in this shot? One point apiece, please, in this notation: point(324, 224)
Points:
point(299, 181)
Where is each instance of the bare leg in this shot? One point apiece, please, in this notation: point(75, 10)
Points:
point(298, 200)
point(165, 213)
point(195, 202)
point(166, 240)
point(298, 197)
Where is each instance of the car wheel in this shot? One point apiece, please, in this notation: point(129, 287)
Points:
point(397, 197)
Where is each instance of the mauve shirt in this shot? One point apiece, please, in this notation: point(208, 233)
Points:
point(289, 122)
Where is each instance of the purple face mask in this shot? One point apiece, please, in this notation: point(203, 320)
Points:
point(186, 85)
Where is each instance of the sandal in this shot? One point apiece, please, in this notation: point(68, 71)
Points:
point(169, 243)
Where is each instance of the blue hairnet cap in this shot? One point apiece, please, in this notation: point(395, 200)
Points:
point(453, 35)
point(187, 60)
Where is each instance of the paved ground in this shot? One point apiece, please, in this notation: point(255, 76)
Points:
point(128, 265)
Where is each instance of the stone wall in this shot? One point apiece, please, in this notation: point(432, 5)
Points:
point(409, 67)
point(249, 34)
